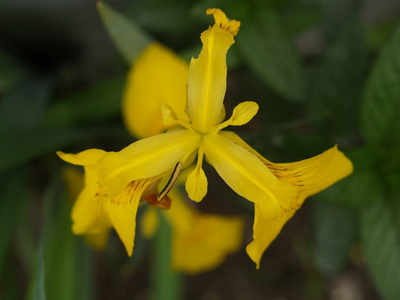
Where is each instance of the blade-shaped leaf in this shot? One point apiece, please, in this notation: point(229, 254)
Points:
point(11, 72)
point(338, 81)
point(37, 287)
point(96, 103)
point(20, 146)
point(362, 187)
point(380, 109)
point(13, 193)
point(380, 228)
point(335, 231)
point(129, 39)
point(269, 51)
point(23, 106)
point(67, 261)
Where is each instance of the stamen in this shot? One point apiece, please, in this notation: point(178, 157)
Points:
point(171, 181)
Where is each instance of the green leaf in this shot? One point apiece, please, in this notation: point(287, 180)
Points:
point(380, 229)
point(20, 146)
point(167, 284)
point(380, 109)
point(13, 192)
point(129, 39)
point(335, 231)
point(269, 51)
point(37, 287)
point(362, 187)
point(337, 14)
point(11, 72)
point(338, 81)
point(68, 261)
point(23, 106)
point(99, 102)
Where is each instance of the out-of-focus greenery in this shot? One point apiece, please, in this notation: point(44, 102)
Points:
point(324, 72)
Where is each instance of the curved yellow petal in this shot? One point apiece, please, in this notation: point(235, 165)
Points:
point(146, 158)
point(88, 214)
point(201, 242)
point(207, 73)
point(265, 231)
point(247, 175)
point(308, 177)
point(157, 75)
point(87, 157)
point(75, 184)
point(122, 210)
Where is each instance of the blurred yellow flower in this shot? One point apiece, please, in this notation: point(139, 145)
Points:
point(116, 181)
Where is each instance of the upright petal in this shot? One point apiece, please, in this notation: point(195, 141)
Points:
point(207, 73)
point(201, 242)
point(157, 75)
point(146, 158)
point(247, 175)
point(308, 177)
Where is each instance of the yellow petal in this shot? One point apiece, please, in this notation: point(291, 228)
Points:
point(247, 175)
point(265, 231)
point(74, 182)
point(207, 74)
point(149, 222)
point(87, 157)
point(308, 176)
point(122, 210)
point(157, 75)
point(88, 213)
point(146, 158)
point(196, 184)
point(201, 242)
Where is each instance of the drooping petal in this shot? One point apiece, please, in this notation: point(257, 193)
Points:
point(201, 242)
point(207, 73)
point(157, 75)
point(265, 231)
point(122, 210)
point(247, 175)
point(146, 158)
point(308, 176)
point(88, 213)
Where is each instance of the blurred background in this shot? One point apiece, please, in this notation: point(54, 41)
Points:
point(324, 72)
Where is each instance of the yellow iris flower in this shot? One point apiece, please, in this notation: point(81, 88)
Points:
point(194, 113)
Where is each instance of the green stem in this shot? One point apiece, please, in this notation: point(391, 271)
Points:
point(167, 284)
